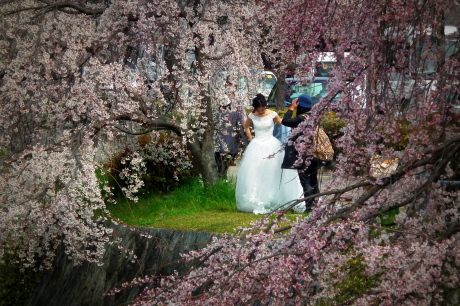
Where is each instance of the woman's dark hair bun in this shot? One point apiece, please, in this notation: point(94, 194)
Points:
point(259, 101)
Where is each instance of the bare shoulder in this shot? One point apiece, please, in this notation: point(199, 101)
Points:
point(248, 120)
point(276, 118)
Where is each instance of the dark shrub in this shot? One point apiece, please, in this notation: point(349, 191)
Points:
point(167, 164)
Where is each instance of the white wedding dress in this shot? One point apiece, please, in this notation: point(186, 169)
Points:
point(262, 186)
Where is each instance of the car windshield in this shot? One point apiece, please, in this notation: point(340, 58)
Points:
point(315, 90)
point(266, 83)
point(323, 69)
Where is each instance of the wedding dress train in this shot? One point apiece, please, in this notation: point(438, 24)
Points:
point(262, 186)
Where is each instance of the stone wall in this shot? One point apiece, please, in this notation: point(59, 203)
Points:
point(88, 283)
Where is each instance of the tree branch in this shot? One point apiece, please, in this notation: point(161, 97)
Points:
point(416, 193)
point(124, 130)
point(160, 123)
point(60, 6)
point(217, 57)
point(452, 229)
point(344, 212)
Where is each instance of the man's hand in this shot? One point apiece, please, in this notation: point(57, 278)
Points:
point(294, 104)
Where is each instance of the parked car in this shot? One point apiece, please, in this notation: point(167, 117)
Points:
point(288, 89)
point(316, 89)
point(265, 83)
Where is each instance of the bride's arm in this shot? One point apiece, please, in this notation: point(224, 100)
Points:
point(247, 131)
point(277, 119)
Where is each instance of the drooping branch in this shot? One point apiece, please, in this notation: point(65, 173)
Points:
point(218, 57)
point(146, 131)
point(60, 6)
point(344, 213)
point(436, 154)
point(433, 178)
point(160, 123)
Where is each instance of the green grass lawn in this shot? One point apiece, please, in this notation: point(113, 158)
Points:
point(190, 207)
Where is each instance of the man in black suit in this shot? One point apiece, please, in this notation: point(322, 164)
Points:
point(308, 176)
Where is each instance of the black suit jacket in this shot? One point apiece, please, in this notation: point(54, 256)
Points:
point(290, 154)
point(292, 122)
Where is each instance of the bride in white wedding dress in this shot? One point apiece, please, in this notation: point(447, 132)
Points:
point(262, 186)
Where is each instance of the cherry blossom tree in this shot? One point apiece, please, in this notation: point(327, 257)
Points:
point(77, 75)
point(386, 230)
point(375, 236)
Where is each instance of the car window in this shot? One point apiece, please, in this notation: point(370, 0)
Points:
point(323, 69)
point(315, 90)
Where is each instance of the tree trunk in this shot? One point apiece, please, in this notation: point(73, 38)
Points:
point(203, 154)
point(204, 150)
point(209, 169)
point(280, 92)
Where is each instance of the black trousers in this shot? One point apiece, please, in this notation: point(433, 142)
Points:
point(309, 180)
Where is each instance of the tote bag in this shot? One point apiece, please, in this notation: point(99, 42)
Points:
point(322, 146)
